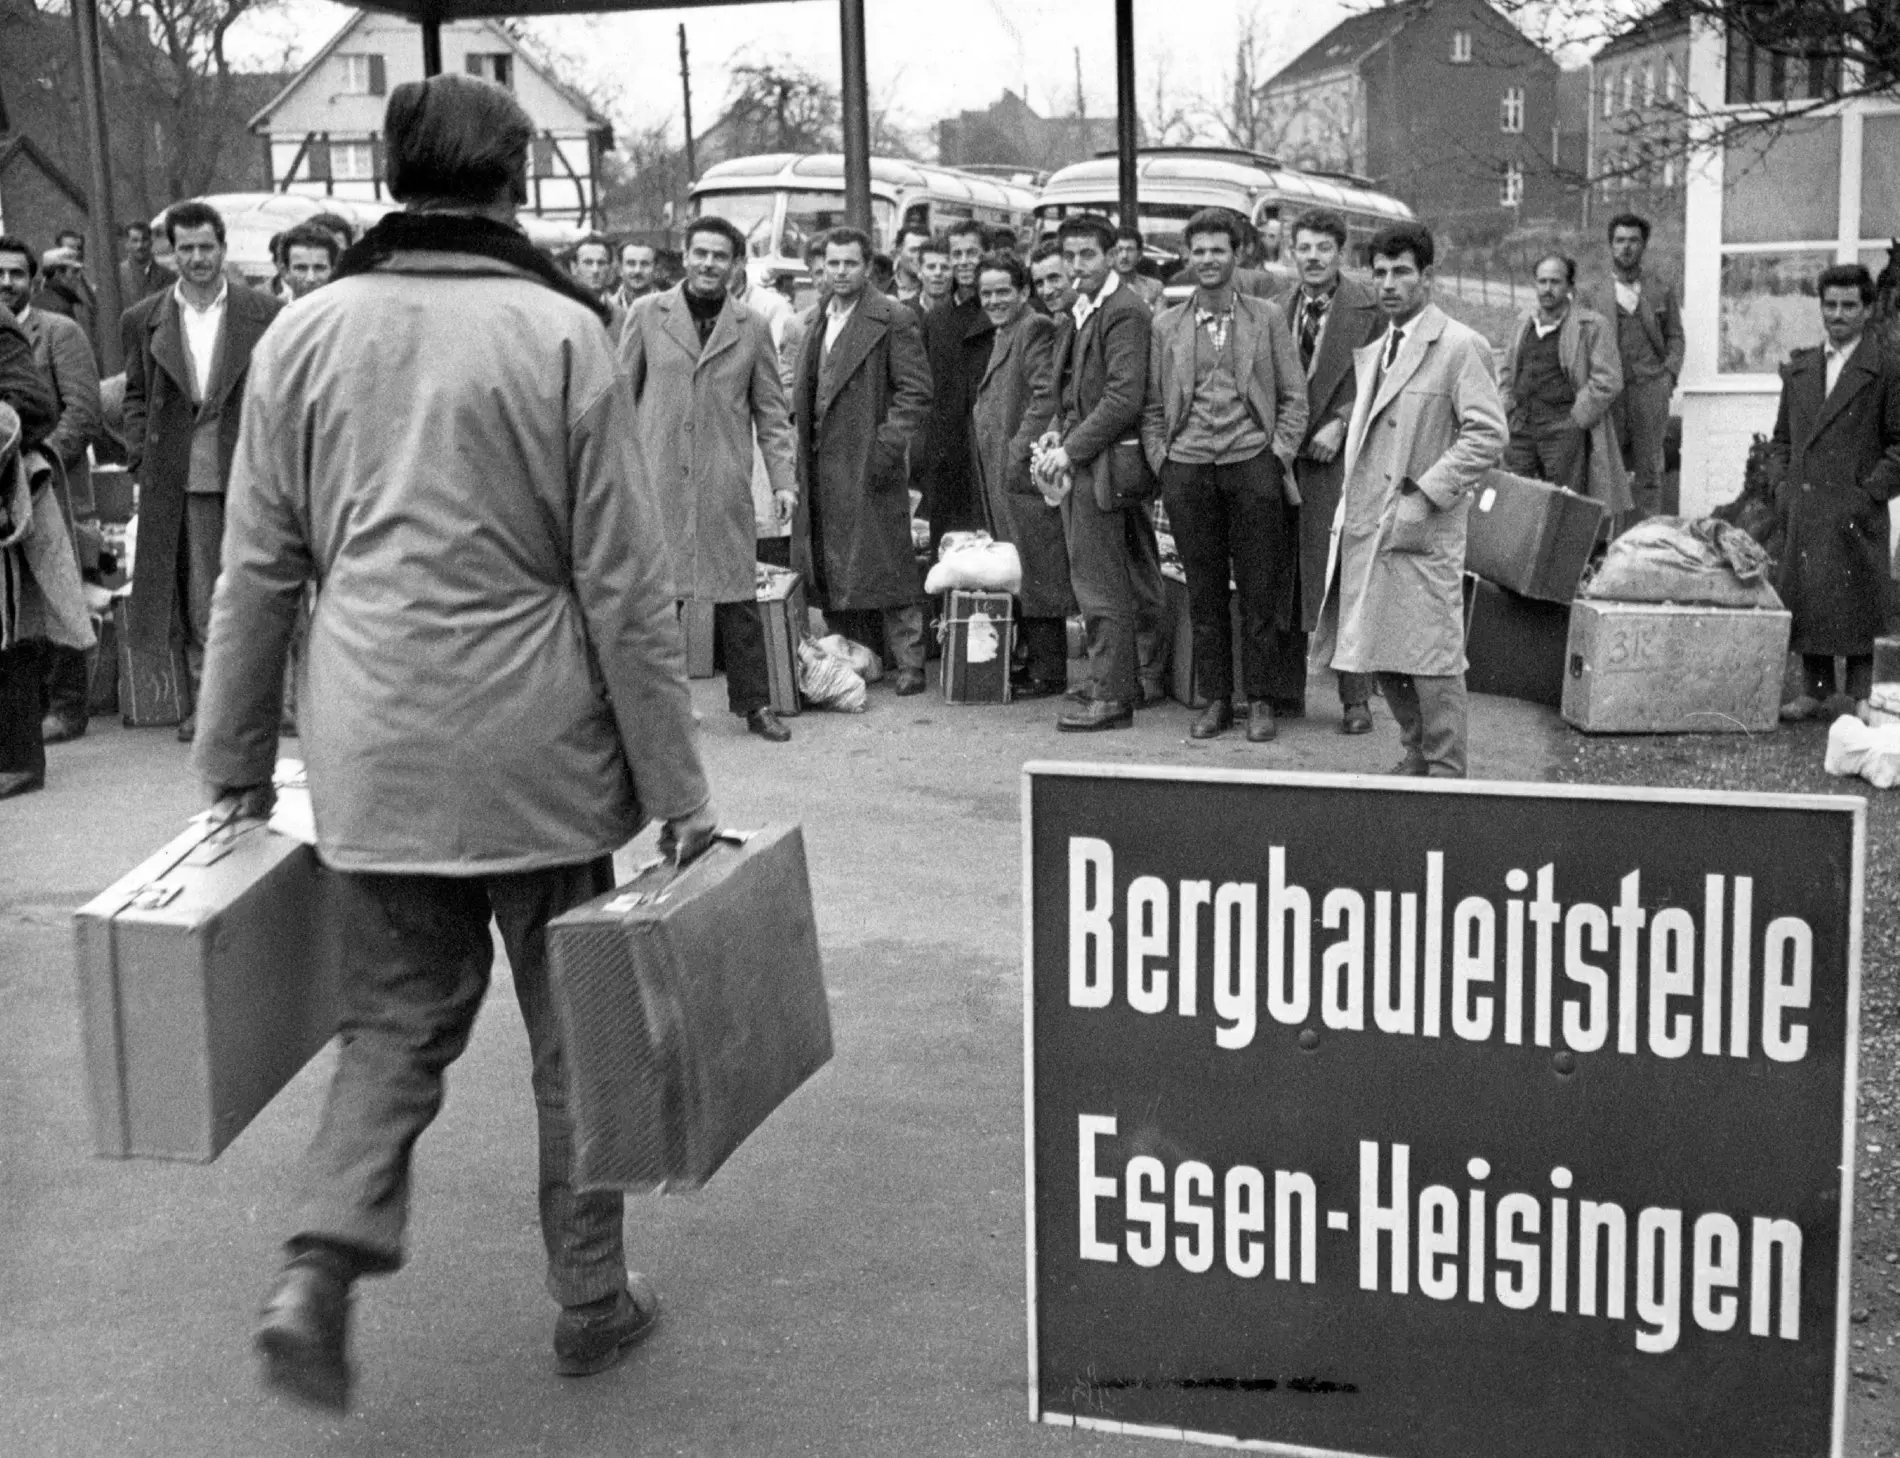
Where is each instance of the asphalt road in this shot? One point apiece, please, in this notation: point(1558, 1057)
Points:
point(851, 1284)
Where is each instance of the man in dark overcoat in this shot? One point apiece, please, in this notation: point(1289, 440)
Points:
point(1835, 455)
point(860, 398)
point(188, 351)
point(957, 337)
point(1329, 316)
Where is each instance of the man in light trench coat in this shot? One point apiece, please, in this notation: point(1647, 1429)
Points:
point(705, 379)
point(1427, 423)
point(495, 696)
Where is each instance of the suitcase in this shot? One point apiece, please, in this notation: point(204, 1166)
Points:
point(154, 687)
point(102, 667)
point(1664, 668)
point(114, 495)
point(1516, 646)
point(1530, 536)
point(692, 1004)
point(978, 639)
point(782, 606)
point(696, 623)
point(208, 977)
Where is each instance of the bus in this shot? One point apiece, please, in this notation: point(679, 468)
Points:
point(782, 200)
point(1174, 183)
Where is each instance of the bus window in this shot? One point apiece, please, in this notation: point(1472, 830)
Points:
point(807, 214)
point(752, 213)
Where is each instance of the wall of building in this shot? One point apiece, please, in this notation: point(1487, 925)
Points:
point(1319, 121)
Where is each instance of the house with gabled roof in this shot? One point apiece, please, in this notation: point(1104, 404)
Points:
point(1443, 103)
point(322, 134)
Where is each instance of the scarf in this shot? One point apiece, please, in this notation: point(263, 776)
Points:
point(462, 233)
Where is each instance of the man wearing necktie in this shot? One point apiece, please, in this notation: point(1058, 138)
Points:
point(1835, 456)
point(1426, 425)
point(1332, 316)
point(1225, 414)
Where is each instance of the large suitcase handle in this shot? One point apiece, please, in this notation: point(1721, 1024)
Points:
point(627, 900)
point(213, 846)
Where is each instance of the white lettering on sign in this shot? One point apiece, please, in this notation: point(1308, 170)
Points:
point(1513, 1249)
point(1524, 968)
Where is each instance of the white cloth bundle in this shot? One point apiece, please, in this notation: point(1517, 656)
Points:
point(1855, 749)
point(866, 664)
point(973, 560)
point(828, 682)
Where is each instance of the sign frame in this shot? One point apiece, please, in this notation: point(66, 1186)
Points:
point(1853, 805)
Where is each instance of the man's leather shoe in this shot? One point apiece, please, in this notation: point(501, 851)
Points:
point(1082, 693)
point(20, 782)
point(188, 729)
point(765, 723)
point(1099, 714)
point(1026, 686)
point(1356, 720)
point(1260, 725)
point(1797, 710)
point(302, 1334)
point(1412, 765)
point(909, 681)
point(592, 1338)
point(1215, 720)
point(57, 729)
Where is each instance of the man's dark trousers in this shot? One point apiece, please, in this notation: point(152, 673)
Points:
point(1232, 523)
point(1108, 553)
point(739, 629)
point(22, 751)
point(1553, 450)
point(416, 964)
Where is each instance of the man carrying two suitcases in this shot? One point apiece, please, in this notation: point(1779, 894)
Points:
point(495, 695)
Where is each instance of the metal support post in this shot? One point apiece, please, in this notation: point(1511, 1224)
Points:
point(1127, 124)
point(431, 46)
point(857, 117)
point(103, 232)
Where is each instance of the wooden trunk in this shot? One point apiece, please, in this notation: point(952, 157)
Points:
point(1661, 668)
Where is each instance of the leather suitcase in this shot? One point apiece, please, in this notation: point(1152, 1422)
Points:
point(208, 977)
point(696, 625)
point(154, 688)
point(693, 1005)
point(781, 594)
point(1530, 536)
point(1516, 646)
point(977, 640)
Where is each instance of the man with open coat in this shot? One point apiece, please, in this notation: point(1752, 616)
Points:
point(1835, 456)
point(1014, 402)
point(1426, 425)
point(861, 397)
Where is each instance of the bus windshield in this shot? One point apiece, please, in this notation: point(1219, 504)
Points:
point(1160, 223)
point(752, 213)
point(807, 214)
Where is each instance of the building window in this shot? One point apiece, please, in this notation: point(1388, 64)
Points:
point(1511, 190)
point(1649, 86)
point(1609, 97)
point(1460, 47)
point(1629, 89)
point(352, 161)
point(1669, 172)
point(1759, 69)
point(1672, 81)
point(496, 66)
point(1511, 113)
point(362, 75)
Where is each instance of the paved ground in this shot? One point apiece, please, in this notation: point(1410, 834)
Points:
point(851, 1283)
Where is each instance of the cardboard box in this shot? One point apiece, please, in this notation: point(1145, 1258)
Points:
point(1530, 536)
point(978, 637)
point(692, 1004)
point(154, 687)
point(782, 605)
point(1660, 668)
point(1517, 646)
point(208, 977)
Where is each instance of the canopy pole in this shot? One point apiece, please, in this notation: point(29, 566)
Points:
point(103, 227)
point(857, 117)
point(431, 46)
point(1127, 126)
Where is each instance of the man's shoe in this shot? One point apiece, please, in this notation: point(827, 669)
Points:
point(592, 1338)
point(1153, 691)
point(1260, 725)
point(909, 681)
point(302, 1333)
point(1099, 714)
point(1356, 720)
point(1027, 686)
point(20, 782)
point(57, 729)
point(188, 729)
point(1215, 720)
point(1082, 693)
point(1798, 710)
point(765, 723)
point(1412, 765)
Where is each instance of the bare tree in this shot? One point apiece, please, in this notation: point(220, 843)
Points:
point(1168, 121)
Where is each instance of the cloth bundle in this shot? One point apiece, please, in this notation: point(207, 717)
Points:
point(1853, 748)
point(1670, 559)
point(974, 561)
point(827, 681)
point(866, 664)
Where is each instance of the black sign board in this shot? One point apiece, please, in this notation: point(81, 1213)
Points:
point(1442, 1120)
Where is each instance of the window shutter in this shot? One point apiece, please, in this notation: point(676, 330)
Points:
point(543, 149)
point(378, 78)
point(319, 155)
point(376, 158)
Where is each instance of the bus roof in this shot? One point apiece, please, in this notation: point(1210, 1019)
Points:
point(1171, 174)
point(824, 172)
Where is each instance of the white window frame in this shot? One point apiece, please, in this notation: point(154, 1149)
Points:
point(1672, 80)
point(1629, 88)
point(356, 74)
point(1511, 111)
point(1649, 85)
point(1609, 95)
point(1511, 189)
point(360, 165)
point(1461, 47)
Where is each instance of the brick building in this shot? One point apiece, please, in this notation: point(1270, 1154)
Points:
point(1443, 103)
point(1638, 116)
point(1010, 133)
